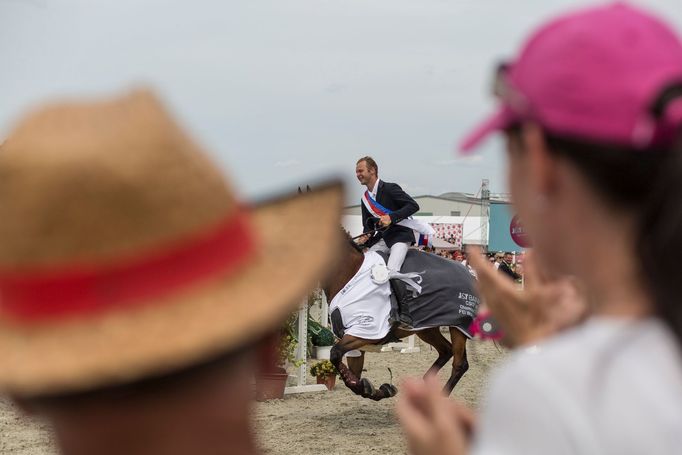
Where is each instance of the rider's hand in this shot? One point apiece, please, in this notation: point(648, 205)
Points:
point(543, 308)
point(433, 424)
point(362, 239)
point(385, 220)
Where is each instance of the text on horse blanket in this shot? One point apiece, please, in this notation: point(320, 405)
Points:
point(448, 297)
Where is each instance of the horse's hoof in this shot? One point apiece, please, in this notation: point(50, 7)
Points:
point(367, 389)
point(389, 390)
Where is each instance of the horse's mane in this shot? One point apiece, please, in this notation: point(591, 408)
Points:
point(355, 246)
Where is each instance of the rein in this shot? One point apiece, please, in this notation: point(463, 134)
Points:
point(375, 230)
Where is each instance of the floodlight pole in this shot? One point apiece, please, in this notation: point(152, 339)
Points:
point(485, 211)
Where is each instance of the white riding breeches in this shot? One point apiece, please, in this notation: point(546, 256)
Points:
point(397, 254)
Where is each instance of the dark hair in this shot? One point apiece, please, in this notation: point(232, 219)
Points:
point(370, 163)
point(647, 183)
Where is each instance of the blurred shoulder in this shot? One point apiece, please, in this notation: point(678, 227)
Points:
point(590, 385)
point(599, 345)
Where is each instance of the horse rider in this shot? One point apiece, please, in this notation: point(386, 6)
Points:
point(390, 204)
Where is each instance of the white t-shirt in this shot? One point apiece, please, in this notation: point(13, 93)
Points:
point(607, 387)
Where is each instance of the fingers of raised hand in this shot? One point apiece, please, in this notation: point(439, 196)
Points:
point(566, 304)
point(488, 276)
point(433, 424)
point(500, 294)
point(411, 412)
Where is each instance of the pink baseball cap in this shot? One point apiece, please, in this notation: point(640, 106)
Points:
point(605, 74)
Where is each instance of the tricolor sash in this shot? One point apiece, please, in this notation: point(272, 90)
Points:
point(378, 210)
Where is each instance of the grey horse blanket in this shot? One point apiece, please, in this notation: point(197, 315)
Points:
point(448, 297)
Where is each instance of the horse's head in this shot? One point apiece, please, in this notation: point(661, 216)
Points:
point(345, 266)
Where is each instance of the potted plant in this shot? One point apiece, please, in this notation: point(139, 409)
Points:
point(321, 338)
point(325, 373)
point(271, 383)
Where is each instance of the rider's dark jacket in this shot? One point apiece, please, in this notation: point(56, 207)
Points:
point(391, 196)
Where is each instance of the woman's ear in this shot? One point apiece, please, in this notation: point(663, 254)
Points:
point(542, 168)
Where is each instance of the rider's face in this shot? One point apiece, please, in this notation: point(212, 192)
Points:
point(363, 173)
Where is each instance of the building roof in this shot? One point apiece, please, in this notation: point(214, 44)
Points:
point(457, 197)
point(494, 197)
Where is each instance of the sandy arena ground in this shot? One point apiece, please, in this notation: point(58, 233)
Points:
point(335, 422)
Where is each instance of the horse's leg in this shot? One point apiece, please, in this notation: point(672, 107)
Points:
point(356, 363)
point(441, 345)
point(359, 386)
point(459, 362)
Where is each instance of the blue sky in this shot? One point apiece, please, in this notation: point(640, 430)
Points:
point(285, 92)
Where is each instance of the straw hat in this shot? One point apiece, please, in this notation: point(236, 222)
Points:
point(124, 252)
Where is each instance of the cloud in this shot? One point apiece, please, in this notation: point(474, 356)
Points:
point(336, 88)
point(470, 160)
point(287, 163)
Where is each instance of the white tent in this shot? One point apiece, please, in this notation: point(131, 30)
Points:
point(441, 244)
point(471, 225)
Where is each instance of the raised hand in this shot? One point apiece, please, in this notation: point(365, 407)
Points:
point(545, 306)
point(433, 424)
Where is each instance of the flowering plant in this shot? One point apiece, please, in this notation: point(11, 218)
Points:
point(288, 342)
point(323, 368)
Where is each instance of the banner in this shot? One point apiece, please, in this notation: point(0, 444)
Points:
point(450, 232)
point(505, 230)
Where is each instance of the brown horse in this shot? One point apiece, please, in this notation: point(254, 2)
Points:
point(347, 267)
